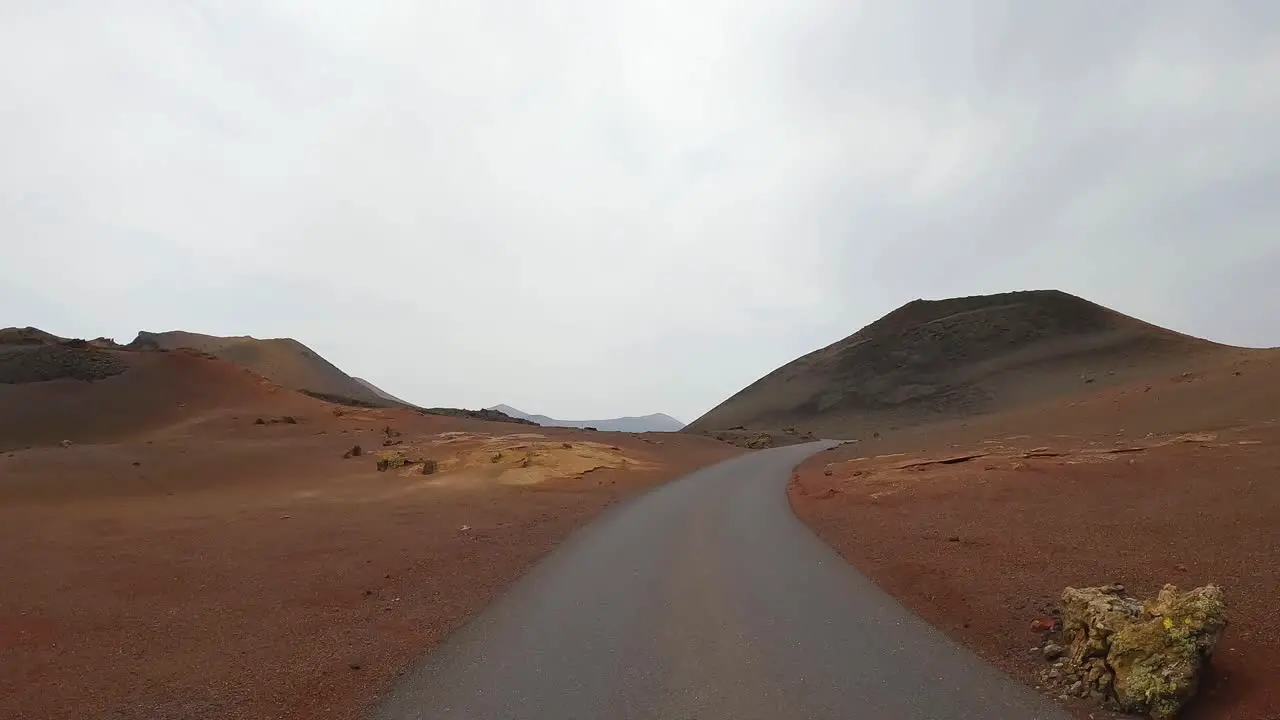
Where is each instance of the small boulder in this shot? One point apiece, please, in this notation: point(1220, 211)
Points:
point(391, 462)
point(1142, 657)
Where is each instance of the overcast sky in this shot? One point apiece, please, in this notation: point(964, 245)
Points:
point(597, 208)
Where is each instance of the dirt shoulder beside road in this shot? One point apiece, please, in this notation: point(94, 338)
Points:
point(982, 547)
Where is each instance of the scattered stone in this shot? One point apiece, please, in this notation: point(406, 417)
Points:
point(1180, 567)
point(135, 463)
point(464, 528)
point(429, 466)
point(1053, 674)
point(65, 443)
point(1053, 651)
point(569, 446)
point(291, 420)
point(354, 666)
point(259, 421)
point(953, 538)
point(828, 472)
point(1044, 625)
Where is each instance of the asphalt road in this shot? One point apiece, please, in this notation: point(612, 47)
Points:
point(704, 599)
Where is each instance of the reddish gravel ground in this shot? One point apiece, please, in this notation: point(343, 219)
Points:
point(214, 568)
point(982, 548)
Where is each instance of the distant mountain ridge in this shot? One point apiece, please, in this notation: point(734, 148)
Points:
point(657, 422)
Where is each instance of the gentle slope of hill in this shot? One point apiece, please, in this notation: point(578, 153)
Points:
point(379, 391)
point(657, 422)
point(943, 359)
point(282, 360)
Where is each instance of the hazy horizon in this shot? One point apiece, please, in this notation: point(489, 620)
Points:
point(596, 210)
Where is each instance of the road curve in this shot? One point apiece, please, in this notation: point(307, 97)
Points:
point(704, 599)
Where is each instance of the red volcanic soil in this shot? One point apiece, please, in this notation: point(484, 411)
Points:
point(179, 560)
point(1175, 479)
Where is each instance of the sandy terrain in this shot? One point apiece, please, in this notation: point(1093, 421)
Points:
point(1175, 479)
point(180, 560)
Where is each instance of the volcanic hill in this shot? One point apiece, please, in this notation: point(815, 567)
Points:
point(933, 360)
point(284, 361)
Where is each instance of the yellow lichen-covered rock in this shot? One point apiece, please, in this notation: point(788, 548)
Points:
point(1158, 660)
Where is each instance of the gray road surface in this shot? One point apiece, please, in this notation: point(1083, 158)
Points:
point(705, 599)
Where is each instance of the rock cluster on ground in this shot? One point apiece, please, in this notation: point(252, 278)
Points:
point(1138, 657)
point(397, 460)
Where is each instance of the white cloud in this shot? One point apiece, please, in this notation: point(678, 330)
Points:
point(593, 209)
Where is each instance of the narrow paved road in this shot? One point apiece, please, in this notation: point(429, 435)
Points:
point(704, 599)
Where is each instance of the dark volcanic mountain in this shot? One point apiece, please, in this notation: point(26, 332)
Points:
point(942, 359)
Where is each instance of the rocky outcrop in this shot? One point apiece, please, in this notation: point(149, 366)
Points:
point(25, 361)
point(1138, 657)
